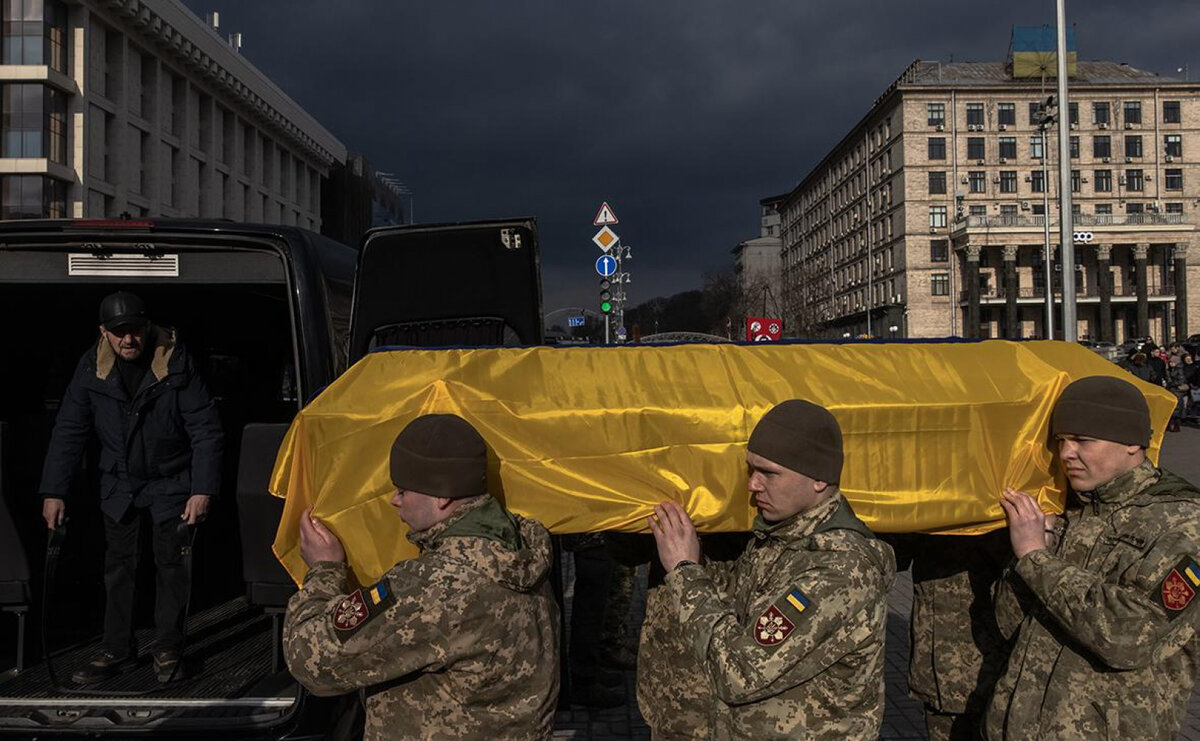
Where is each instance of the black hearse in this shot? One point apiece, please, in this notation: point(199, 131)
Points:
point(272, 314)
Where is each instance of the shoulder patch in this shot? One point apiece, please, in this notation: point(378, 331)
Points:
point(1178, 587)
point(360, 607)
point(778, 621)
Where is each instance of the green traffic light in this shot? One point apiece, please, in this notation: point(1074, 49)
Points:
point(606, 307)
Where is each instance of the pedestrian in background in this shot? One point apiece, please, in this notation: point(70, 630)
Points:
point(1104, 610)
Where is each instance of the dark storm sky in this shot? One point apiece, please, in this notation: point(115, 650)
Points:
point(681, 115)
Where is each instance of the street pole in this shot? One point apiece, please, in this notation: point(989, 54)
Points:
point(1046, 254)
point(1066, 219)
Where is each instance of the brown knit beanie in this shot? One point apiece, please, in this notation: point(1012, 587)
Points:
point(802, 436)
point(440, 455)
point(1105, 408)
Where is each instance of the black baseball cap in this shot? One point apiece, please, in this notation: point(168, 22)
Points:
point(122, 309)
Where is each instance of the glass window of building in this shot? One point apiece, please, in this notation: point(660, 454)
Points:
point(1008, 147)
point(1074, 147)
point(937, 182)
point(34, 122)
point(1174, 208)
point(977, 210)
point(1007, 209)
point(939, 250)
point(1174, 179)
point(1102, 146)
point(1008, 181)
point(1135, 208)
point(1133, 146)
point(1075, 182)
point(1173, 145)
point(1035, 147)
point(1037, 181)
point(937, 216)
point(977, 180)
point(936, 113)
point(32, 197)
point(34, 32)
point(1104, 209)
point(939, 284)
point(975, 148)
point(1102, 181)
point(1171, 112)
point(1134, 180)
point(974, 114)
point(1073, 113)
point(1101, 114)
point(937, 148)
point(1035, 113)
point(1131, 111)
point(1006, 114)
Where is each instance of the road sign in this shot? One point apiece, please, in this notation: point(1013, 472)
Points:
point(606, 265)
point(621, 333)
point(575, 321)
point(763, 329)
point(605, 215)
point(605, 239)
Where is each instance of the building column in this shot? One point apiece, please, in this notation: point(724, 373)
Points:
point(1181, 297)
point(1011, 290)
point(1140, 253)
point(1104, 284)
point(972, 280)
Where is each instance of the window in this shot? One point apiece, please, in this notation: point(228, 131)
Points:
point(1171, 111)
point(1073, 113)
point(978, 181)
point(1132, 112)
point(1134, 180)
point(1102, 181)
point(1035, 147)
point(34, 122)
point(1174, 208)
point(1074, 148)
point(1135, 208)
point(937, 216)
point(978, 210)
point(1101, 146)
point(939, 284)
point(1008, 181)
point(1133, 146)
point(1006, 114)
point(1074, 181)
point(939, 250)
point(32, 197)
point(937, 183)
point(1174, 178)
point(1173, 145)
point(1104, 209)
point(1035, 113)
point(34, 33)
point(1008, 147)
point(975, 150)
point(937, 113)
point(1101, 114)
point(1037, 183)
point(974, 114)
point(937, 148)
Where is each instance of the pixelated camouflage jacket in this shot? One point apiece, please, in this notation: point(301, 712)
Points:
point(957, 651)
point(461, 642)
point(788, 639)
point(1105, 624)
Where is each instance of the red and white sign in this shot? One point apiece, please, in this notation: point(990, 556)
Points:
point(605, 215)
point(763, 329)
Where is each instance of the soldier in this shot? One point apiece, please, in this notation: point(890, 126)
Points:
point(461, 642)
point(786, 641)
point(1104, 617)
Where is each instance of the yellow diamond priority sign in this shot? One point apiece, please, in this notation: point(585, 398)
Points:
point(605, 239)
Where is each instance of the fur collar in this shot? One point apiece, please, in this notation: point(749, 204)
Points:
point(163, 349)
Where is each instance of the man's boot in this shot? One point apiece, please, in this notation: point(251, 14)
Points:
point(107, 664)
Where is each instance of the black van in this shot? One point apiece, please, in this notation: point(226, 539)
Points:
point(272, 314)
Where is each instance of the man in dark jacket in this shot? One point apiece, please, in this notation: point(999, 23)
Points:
point(160, 454)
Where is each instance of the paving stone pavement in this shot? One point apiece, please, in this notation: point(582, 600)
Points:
point(902, 716)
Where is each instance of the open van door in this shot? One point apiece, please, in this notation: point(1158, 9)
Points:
point(473, 284)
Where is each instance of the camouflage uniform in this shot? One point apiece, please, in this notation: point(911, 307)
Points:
point(957, 651)
point(785, 642)
point(461, 642)
point(1107, 644)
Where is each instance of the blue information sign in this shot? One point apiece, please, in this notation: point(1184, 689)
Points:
point(606, 265)
point(575, 321)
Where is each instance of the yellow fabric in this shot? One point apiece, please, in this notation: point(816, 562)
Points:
point(590, 438)
point(1037, 64)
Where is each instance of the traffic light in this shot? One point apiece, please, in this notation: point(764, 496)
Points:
point(606, 305)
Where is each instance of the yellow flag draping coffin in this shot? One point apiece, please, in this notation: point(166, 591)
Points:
point(590, 438)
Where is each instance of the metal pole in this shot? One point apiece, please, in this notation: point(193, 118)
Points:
point(1049, 284)
point(1066, 221)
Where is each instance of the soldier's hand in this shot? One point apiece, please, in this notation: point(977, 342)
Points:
point(1026, 522)
point(54, 512)
point(674, 534)
point(1051, 532)
point(195, 509)
point(317, 542)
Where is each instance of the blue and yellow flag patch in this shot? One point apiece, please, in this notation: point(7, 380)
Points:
point(796, 600)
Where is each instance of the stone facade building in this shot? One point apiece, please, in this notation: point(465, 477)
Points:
point(929, 216)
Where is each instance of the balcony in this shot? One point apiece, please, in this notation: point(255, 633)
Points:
point(1125, 291)
point(1039, 221)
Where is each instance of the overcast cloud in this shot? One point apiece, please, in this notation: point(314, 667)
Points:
point(682, 115)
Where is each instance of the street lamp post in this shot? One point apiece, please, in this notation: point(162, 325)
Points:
point(1066, 221)
point(1047, 119)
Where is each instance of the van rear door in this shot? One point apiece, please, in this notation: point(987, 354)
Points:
point(473, 284)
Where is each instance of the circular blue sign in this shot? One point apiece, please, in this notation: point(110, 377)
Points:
point(606, 265)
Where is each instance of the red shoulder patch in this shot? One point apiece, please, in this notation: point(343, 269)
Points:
point(772, 627)
point(350, 612)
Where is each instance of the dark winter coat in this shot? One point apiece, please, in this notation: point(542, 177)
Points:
point(158, 448)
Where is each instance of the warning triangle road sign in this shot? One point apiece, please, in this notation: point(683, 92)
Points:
point(605, 215)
